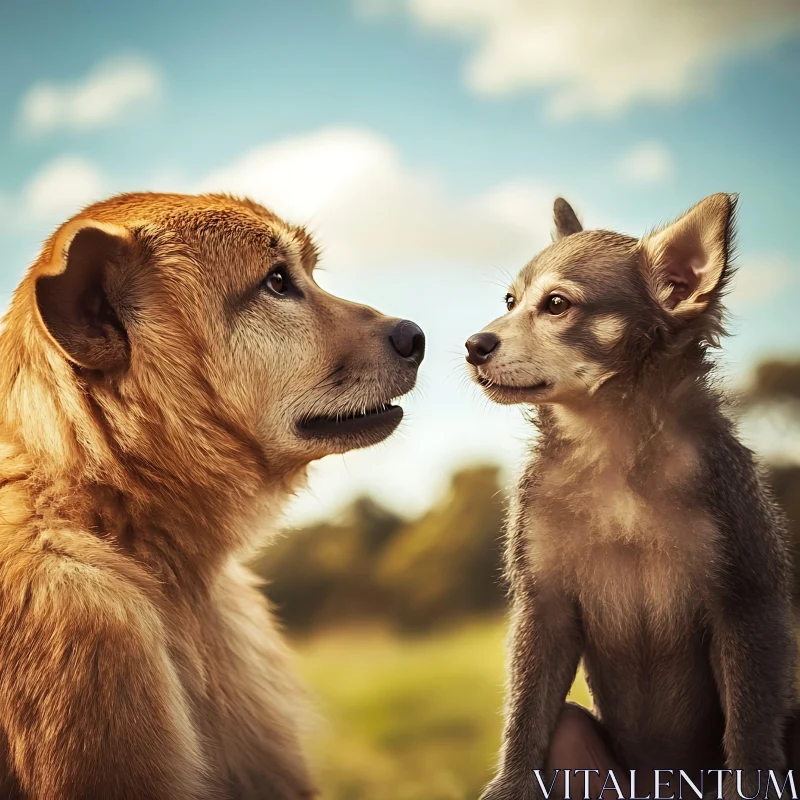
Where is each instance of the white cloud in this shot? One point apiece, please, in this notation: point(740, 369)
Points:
point(369, 208)
point(52, 194)
point(62, 187)
point(366, 207)
point(647, 162)
point(757, 279)
point(110, 91)
point(601, 56)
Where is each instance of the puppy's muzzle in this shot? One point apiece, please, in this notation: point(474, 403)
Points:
point(481, 346)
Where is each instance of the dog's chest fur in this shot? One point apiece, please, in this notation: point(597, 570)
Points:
point(631, 547)
point(238, 684)
point(624, 542)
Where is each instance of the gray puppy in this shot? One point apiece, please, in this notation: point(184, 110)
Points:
point(642, 539)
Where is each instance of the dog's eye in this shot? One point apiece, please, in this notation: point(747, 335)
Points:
point(277, 281)
point(557, 305)
point(511, 301)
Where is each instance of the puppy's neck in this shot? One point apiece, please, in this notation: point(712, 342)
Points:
point(637, 425)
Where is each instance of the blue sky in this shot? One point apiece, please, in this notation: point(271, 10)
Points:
point(423, 141)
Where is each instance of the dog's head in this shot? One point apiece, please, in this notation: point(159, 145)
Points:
point(198, 337)
point(596, 305)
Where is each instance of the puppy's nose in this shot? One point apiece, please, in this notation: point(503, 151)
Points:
point(408, 340)
point(480, 347)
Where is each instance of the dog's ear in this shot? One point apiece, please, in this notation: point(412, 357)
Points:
point(74, 296)
point(566, 219)
point(688, 260)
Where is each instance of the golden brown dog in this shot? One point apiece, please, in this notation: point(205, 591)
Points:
point(168, 368)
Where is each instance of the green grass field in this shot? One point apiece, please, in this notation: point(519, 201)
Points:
point(415, 719)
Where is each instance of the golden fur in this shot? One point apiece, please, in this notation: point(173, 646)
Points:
point(150, 393)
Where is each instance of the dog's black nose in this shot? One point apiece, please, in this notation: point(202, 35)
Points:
point(480, 347)
point(408, 340)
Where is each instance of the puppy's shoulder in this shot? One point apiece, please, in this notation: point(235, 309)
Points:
point(752, 529)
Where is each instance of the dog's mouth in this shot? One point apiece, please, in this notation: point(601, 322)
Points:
point(508, 395)
point(374, 423)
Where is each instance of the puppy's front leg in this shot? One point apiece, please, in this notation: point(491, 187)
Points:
point(752, 627)
point(753, 650)
point(546, 646)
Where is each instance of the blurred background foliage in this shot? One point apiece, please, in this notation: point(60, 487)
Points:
point(412, 575)
point(399, 625)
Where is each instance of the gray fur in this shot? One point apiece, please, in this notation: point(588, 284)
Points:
point(642, 538)
point(565, 218)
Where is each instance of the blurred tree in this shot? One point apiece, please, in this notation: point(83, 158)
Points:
point(448, 564)
point(323, 574)
point(371, 565)
point(776, 381)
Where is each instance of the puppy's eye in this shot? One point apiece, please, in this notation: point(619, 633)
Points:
point(511, 301)
point(557, 305)
point(277, 281)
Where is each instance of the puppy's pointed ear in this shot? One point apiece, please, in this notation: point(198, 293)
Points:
point(74, 296)
point(687, 261)
point(566, 219)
